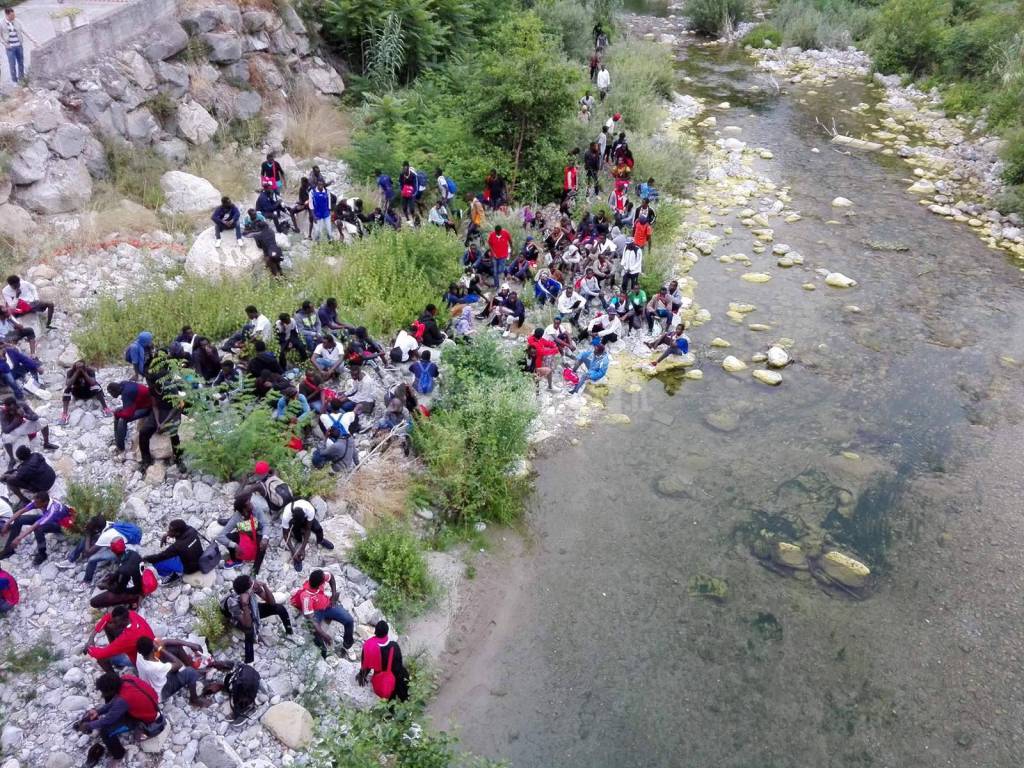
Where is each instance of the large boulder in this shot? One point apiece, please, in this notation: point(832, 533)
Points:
point(344, 532)
point(141, 126)
point(214, 752)
point(246, 105)
point(231, 259)
point(174, 78)
point(138, 70)
point(195, 123)
point(325, 80)
point(68, 140)
point(66, 186)
point(185, 193)
point(291, 723)
point(15, 223)
point(164, 40)
point(28, 162)
point(225, 47)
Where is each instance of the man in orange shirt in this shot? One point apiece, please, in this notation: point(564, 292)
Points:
point(476, 218)
point(642, 233)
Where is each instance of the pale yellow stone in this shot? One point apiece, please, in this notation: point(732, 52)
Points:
point(733, 364)
point(845, 570)
point(771, 378)
point(755, 277)
point(720, 342)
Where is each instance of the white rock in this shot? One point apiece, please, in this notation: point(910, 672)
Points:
point(733, 364)
point(922, 187)
point(841, 202)
point(231, 259)
point(66, 186)
point(195, 123)
point(343, 531)
point(839, 280)
point(75, 703)
point(11, 738)
point(185, 193)
point(200, 580)
point(215, 752)
point(16, 224)
point(291, 723)
point(28, 164)
point(155, 744)
point(777, 357)
point(771, 378)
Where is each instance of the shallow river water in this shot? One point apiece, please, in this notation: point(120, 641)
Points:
point(894, 433)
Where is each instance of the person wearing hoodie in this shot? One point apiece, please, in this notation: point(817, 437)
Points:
point(139, 353)
point(226, 217)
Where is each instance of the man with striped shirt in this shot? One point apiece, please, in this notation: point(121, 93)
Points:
point(14, 36)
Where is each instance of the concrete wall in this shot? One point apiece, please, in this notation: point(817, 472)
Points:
point(81, 45)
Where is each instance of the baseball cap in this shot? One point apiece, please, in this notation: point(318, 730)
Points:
point(117, 546)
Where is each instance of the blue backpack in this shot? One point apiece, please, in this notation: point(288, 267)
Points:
point(130, 532)
point(424, 378)
point(421, 182)
point(452, 189)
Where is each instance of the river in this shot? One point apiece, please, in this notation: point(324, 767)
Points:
point(895, 433)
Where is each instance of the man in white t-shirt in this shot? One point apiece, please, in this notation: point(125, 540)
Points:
point(161, 664)
point(21, 298)
point(298, 521)
point(329, 356)
point(405, 345)
point(257, 326)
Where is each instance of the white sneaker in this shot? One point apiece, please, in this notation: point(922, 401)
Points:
point(35, 389)
point(216, 243)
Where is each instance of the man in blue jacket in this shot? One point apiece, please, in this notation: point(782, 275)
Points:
point(226, 216)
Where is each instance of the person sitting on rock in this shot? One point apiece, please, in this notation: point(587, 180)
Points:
point(31, 476)
point(122, 627)
point(570, 304)
point(658, 308)
point(225, 218)
point(245, 607)
point(205, 358)
point(125, 585)
point(338, 450)
point(163, 418)
point(308, 324)
point(382, 658)
point(9, 594)
point(181, 556)
point(298, 522)
point(81, 383)
point(257, 326)
point(39, 517)
point(22, 298)
point(129, 703)
point(11, 331)
point(270, 207)
point(328, 356)
point(97, 537)
point(328, 315)
point(292, 407)
point(162, 664)
point(15, 367)
point(320, 609)
point(676, 340)
point(263, 363)
point(251, 221)
point(595, 358)
point(287, 331)
point(267, 489)
point(242, 534)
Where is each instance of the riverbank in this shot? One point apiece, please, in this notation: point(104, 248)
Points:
point(880, 437)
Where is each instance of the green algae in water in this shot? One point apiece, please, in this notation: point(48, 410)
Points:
point(869, 530)
point(711, 587)
point(767, 627)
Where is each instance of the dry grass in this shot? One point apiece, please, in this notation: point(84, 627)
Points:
point(314, 127)
point(233, 173)
point(380, 488)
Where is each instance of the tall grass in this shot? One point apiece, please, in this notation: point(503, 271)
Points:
point(667, 159)
point(135, 173)
point(382, 282)
point(823, 23)
point(314, 127)
point(715, 17)
point(643, 75)
point(571, 22)
point(90, 500)
point(393, 556)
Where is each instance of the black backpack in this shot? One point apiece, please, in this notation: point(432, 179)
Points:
point(243, 685)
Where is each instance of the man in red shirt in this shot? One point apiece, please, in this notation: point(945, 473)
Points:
point(320, 609)
point(380, 652)
point(642, 232)
point(123, 629)
point(500, 242)
point(570, 180)
point(540, 349)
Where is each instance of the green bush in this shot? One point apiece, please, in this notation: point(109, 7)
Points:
point(571, 22)
point(393, 556)
point(823, 23)
point(763, 36)
point(163, 107)
point(91, 499)
point(972, 49)
point(212, 625)
point(135, 172)
point(909, 34)
point(382, 282)
point(643, 74)
point(1013, 157)
point(1011, 200)
point(714, 17)
point(476, 434)
point(666, 159)
point(247, 134)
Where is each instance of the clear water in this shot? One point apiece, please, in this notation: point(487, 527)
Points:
point(602, 658)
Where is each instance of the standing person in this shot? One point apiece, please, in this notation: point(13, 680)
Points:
point(632, 265)
point(477, 218)
point(245, 607)
point(136, 403)
point(500, 242)
point(21, 298)
point(320, 210)
point(570, 179)
point(140, 353)
point(595, 63)
point(225, 218)
point(642, 232)
point(604, 82)
point(382, 658)
point(320, 609)
point(14, 36)
point(81, 383)
point(407, 184)
point(592, 167)
point(242, 534)
point(302, 205)
point(386, 188)
point(425, 373)
point(540, 349)
point(129, 703)
point(445, 187)
point(272, 174)
point(39, 517)
point(298, 522)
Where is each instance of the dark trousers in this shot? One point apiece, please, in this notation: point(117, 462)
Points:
point(39, 533)
point(121, 427)
point(111, 736)
point(266, 610)
point(149, 428)
point(292, 341)
point(109, 599)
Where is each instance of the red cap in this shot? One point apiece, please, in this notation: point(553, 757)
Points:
point(261, 468)
point(117, 546)
point(617, 116)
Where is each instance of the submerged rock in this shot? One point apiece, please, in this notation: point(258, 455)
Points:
point(789, 555)
point(723, 421)
point(771, 378)
point(845, 570)
point(720, 342)
point(842, 202)
point(733, 364)
point(839, 280)
point(710, 587)
point(756, 277)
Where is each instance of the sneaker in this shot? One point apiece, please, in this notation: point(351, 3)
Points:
point(108, 412)
point(325, 544)
point(39, 558)
point(64, 418)
point(222, 520)
point(216, 243)
point(349, 653)
point(228, 564)
point(50, 446)
point(170, 578)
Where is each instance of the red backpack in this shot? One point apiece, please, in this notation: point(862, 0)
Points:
point(417, 330)
point(384, 681)
point(11, 593)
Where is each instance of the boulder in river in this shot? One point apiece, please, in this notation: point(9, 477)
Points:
point(733, 364)
point(845, 570)
point(842, 202)
point(771, 378)
point(839, 280)
point(777, 357)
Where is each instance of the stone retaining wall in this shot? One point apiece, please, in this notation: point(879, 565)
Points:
point(81, 45)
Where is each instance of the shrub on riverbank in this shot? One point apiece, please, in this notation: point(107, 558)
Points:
point(393, 556)
point(763, 36)
point(823, 23)
point(382, 281)
point(476, 435)
point(715, 17)
point(908, 35)
point(643, 76)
